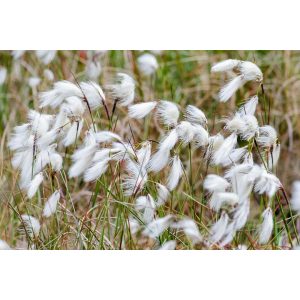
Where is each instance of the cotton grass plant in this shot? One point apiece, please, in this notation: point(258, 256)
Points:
point(100, 179)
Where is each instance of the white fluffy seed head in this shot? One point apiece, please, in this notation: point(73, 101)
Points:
point(223, 200)
point(134, 225)
point(225, 149)
point(48, 74)
point(236, 124)
point(20, 138)
point(295, 199)
point(3, 73)
point(96, 170)
point(249, 107)
point(185, 131)
point(157, 227)
point(141, 110)
point(73, 133)
point(136, 178)
point(195, 115)
point(169, 245)
point(93, 70)
point(45, 56)
point(147, 64)
point(250, 128)
point(267, 183)
point(51, 204)
point(219, 228)
point(56, 161)
point(106, 136)
point(251, 71)
point(169, 141)
point(226, 65)
point(214, 143)
point(162, 194)
point(34, 184)
point(61, 90)
point(4, 245)
point(201, 136)
point(73, 107)
point(267, 136)
point(31, 225)
point(40, 123)
point(273, 156)
point(190, 229)
point(231, 87)
point(167, 113)
point(123, 90)
point(93, 94)
point(266, 228)
point(175, 173)
point(234, 156)
point(82, 159)
point(34, 81)
point(159, 160)
point(144, 153)
point(248, 71)
point(146, 205)
point(214, 183)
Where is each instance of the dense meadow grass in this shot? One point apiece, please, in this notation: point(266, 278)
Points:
point(99, 214)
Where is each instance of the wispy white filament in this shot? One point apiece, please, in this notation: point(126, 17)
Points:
point(226, 65)
point(175, 173)
point(248, 71)
point(146, 205)
point(266, 228)
point(273, 156)
point(169, 141)
point(231, 87)
point(295, 199)
point(141, 110)
point(201, 136)
point(235, 156)
point(31, 225)
point(93, 94)
point(267, 183)
point(162, 194)
point(169, 245)
point(267, 136)
point(249, 107)
point(123, 90)
point(46, 56)
point(73, 133)
point(82, 159)
point(147, 64)
point(157, 227)
point(106, 136)
point(225, 149)
point(61, 90)
point(96, 171)
point(144, 153)
point(34, 185)
point(93, 69)
point(190, 229)
point(185, 131)
point(159, 160)
point(195, 115)
point(167, 113)
point(219, 228)
point(214, 183)
point(5, 246)
point(51, 204)
point(223, 199)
